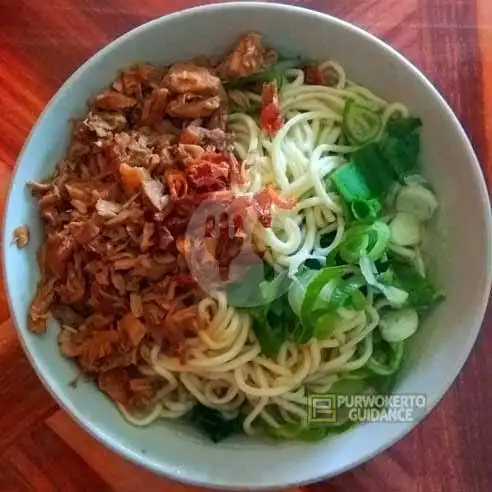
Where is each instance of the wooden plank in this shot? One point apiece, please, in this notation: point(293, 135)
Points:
point(11, 480)
point(21, 87)
point(47, 463)
point(119, 473)
point(484, 31)
point(451, 47)
point(5, 173)
point(24, 401)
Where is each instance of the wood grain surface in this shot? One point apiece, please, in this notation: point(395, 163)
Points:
point(41, 43)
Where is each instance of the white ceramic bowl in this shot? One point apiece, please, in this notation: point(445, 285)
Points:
point(461, 235)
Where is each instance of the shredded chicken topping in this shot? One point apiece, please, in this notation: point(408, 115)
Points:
point(21, 236)
point(150, 150)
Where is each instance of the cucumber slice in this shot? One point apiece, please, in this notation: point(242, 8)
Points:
point(416, 200)
point(398, 325)
point(405, 230)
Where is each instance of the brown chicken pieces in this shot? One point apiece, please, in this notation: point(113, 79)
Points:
point(151, 148)
point(248, 58)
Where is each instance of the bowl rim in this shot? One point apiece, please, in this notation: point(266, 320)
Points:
point(168, 471)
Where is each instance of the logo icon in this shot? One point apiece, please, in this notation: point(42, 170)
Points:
point(322, 408)
point(224, 252)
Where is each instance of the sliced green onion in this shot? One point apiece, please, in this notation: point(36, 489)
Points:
point(366, 210)
point(308, 315)
point(339, 293)
point(365, 240)
point(358, 300)
point(360, 124)
point(344, 290)
point(298, 287)
point(315, 296)
point(350, 183)
point(325, 325)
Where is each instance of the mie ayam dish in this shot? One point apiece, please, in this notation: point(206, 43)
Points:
point(226, 237)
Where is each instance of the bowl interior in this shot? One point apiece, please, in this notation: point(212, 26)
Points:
point(458, 246)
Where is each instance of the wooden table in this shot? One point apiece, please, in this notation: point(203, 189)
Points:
point(41, 43)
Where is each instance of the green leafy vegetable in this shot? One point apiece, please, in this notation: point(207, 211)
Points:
point(401, 146)
point(360, 124)
point(270, 335)
point(271, 288)
point(396, 297)
point(422, 295)
point(386, 358)
point(402, 127)
point(347, 386)
point(274, 321)
point(374, 167)
point(213, 424)
point(263, 294)
point(371, 163)
point(244, 291)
